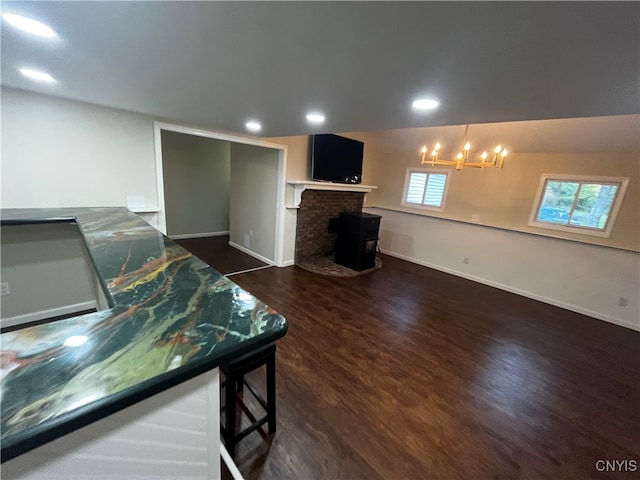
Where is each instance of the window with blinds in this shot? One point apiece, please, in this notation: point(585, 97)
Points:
point(425, 189)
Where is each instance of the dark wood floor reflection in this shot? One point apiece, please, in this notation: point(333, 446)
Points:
point(413, 373)
point(217, 253)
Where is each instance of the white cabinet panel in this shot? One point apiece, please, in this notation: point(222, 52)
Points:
point(174, 434)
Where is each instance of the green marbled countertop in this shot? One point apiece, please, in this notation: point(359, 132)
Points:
point(173, 317)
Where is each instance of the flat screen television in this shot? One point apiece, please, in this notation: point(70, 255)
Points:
point(336, 159)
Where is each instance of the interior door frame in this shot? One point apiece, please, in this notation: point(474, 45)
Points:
point(278, 254)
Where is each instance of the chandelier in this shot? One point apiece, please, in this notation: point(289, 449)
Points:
point(462, 159)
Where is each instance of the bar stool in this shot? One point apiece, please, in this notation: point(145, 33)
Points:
point(234, 372)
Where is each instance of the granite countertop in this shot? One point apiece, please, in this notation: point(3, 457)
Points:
point(173, 317)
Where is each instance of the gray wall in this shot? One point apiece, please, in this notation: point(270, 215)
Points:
point(59, 153)
point(254, 180)
point(48, 271)
point(196, 183)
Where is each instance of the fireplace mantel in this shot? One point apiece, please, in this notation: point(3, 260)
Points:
point(300, 186)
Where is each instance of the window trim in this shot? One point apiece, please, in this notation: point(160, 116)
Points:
point(560, 177)
point(428, 171)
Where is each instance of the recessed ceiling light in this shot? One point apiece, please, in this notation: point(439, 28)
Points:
point(315, 118)
point(30, 25)
point(253, 126)
point(425, 104)
point(37, 75)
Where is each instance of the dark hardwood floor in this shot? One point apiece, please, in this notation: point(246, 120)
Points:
point(410, 373)
point(216, 252)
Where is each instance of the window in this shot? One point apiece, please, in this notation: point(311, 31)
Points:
point(425, 189)
point(578, 204)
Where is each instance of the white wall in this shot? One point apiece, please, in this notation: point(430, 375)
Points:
point(59, 153)
point(298, 168)
point(196, 184)
point(49, 273)
point(584, 278)
point(254, 174)
point(290, 222)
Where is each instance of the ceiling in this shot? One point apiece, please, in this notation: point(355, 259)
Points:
point(217, 64)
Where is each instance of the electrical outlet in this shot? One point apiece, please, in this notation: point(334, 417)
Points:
point(465, 260)
point(4, 288)
point(622, 301)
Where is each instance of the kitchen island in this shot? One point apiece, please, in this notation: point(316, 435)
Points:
point(149, 358)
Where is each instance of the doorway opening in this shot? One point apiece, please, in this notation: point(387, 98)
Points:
point(256, 179)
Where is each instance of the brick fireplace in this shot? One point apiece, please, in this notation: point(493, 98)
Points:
point(316, 208)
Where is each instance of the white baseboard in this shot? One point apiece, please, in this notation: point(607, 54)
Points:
point(540, 298)
point(198, 235)
point(248, 270)
point(288, 263)
point(44, 314)
point(249, 252)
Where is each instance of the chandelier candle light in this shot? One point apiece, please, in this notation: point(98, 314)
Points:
point(462, 159)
